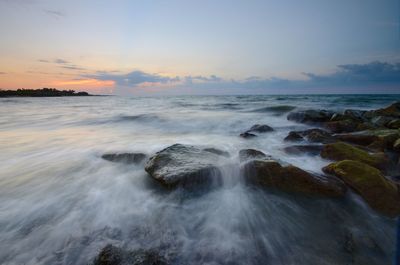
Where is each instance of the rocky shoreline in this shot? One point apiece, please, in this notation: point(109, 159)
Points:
point(363, 149)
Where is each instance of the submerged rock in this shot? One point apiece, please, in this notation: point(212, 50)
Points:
point(184, 165)
point(294, 137)
point(111, 255)
point(247, 135)
point(260, 128)
point(303, 149)
point(128, 158)
point(248, 154)
point(310, 116)
point(271, 174)
point(342, 151)
point(380, 193)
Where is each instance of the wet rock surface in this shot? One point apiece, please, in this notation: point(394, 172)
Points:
point(248, 154)
point(342, 151)
point(380, 193)
point(271, 174)
point(184, 165)
point(111, 255)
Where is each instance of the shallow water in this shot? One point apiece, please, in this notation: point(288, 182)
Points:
point(60, 203)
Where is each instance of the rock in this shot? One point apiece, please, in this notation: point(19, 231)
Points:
point(247, 135)
point(390, 111)
point(248, 154)
point(310, 116)
point(394, 124)
point(342, 151)
point(184, 165)
point(111, 255)
point(303, 149)
point(313, 135)
point(294, 137)
point(357, 138)
point(127, 158)
point(342, 126)
point(380, 121)
point(396, 145)
point(217, 151)
point(354, 114)
point(380, 193)
point(291, 179)
point(379, 139)
point(260, 128)
point(318, 136)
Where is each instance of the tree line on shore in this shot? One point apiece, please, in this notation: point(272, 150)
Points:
point(44, 92)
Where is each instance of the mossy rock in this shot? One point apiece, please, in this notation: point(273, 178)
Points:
point(291, 179)
point(341, 151)
point(342, 126)
point(394, 124)
point(396, 145)
point(380, 193)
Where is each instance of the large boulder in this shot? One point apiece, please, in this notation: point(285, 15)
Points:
point(310, 116)
point(127, 158)
point(390, 111)
point(342, 151)
point(379, 139)
point(185, 165)
point(343, 126)
point(291, 179)
point(111, 255)
point(380, 193)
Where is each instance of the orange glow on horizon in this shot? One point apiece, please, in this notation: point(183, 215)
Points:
point(86, 82)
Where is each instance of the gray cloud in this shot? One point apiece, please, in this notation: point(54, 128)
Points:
point(359, 74)
point(372, 77)
point(54, 13)
point(60, 61)
point(3, 73)
point(132, 79)
point(63, 64)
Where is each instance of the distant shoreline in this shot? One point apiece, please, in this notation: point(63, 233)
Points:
point(44, 92)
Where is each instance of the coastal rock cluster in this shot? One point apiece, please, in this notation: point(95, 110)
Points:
point(363, 148)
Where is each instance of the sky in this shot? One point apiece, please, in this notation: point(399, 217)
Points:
point(130, 47)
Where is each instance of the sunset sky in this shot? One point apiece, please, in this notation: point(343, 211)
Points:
point(201, 47)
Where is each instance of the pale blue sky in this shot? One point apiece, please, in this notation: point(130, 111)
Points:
point(173, 40)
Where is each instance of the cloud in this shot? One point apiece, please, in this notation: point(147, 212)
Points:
point(63, 64)
point(60, 61)
point(372, 77)
point(54, 13)
point(133, 79)
point(73, 67)
point(3, 73)
point(359, 74)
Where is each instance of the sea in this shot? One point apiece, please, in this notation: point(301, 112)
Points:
point(61, 203)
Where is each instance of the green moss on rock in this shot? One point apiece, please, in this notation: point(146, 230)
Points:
point(380, 193)
point(341, 151)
